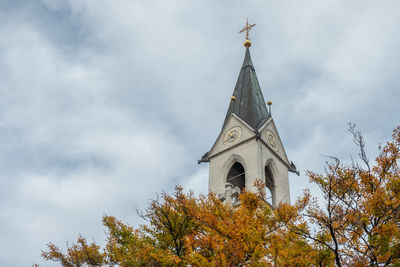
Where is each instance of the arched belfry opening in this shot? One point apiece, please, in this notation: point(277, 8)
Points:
point(270, 185)
point(236, 176)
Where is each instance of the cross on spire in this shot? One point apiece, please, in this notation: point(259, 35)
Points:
point(247, 28)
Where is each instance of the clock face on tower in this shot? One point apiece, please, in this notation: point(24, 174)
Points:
point(272, 141)
point(232, 135)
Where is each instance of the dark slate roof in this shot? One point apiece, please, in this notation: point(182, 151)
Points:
point(249, 102)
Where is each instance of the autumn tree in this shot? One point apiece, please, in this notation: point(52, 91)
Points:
point(357, 223)
point(250, 233)
point(201, 231)
point(359, 217)
point(160, 242)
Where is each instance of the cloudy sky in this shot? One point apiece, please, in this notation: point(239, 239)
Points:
point(105, 103)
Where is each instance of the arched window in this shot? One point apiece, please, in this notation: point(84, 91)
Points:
point(269, 183)
point(236, 175)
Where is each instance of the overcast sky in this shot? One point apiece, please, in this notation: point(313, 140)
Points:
point(105, 103)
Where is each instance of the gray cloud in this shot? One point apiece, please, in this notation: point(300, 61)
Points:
point(103, 103)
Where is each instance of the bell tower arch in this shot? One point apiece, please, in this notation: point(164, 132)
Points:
point(270, 185)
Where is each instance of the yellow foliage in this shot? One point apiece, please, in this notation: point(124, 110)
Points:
point(356, 225)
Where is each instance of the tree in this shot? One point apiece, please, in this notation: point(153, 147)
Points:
point(182, 229)
point(356, 224)
point(359, 221)
point(248, 234)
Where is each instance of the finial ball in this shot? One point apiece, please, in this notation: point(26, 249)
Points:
point(233, 98)
point(247, 43)
point(269, 103)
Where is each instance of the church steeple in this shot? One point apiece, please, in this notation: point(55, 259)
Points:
point(248, 148)
point(247, 101)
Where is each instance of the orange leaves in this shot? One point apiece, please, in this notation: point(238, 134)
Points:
point(356, 224)
point(232, 234)
point(183, 229)
point(78, 254)
point(359, 221)
point(248, 234)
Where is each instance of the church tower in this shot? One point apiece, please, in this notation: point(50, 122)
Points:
point(249, 147)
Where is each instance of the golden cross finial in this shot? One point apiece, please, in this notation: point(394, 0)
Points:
point(247, 28)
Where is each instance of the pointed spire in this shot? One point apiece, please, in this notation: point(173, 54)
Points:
point(247, 60)
point(248, 101)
